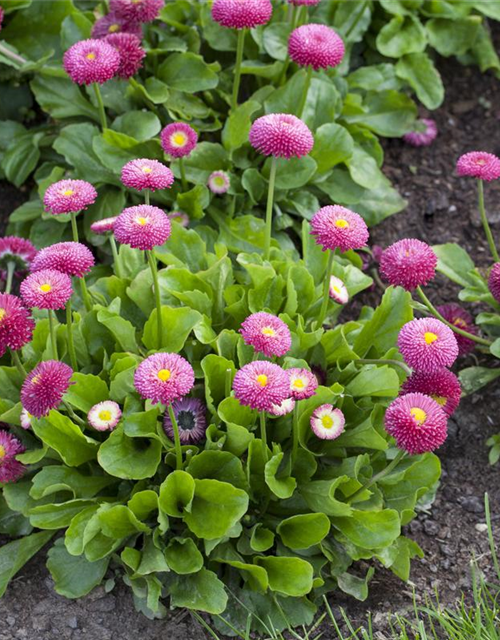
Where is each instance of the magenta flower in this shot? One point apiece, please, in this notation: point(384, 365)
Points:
point(10, 469)
point(146, 174)
point(338, 290)
point(113, 23)
point(281, 135)
point(316, 46)
point(261, 384)
point(479, 164)
point(236, 14)
point(424, 134)
point(190, 414)
point(327, 423)
point(427, 345)
point(17, 250)
point(180, 218)
point(69, 196)
point(178, 139)
point(442, 386)
point(458, 316)
point(219, 182)
point(106, 225)
point(142, 227)
point(164, 377)
point(25, 419)
point(71, 258)
point(283, 409)
point(104, 416)
point(408, 263)
point(137, 10)
point(46, 289)
point(303, 383)
point(91, 61)
point(336, 227)
point(417, 423)
point(16, 323)
point(130, 51)
point(1, 17)
point(494, 281)
point(45, 387)
point(267, 334)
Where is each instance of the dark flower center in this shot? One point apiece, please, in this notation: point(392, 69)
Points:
point(186, 420)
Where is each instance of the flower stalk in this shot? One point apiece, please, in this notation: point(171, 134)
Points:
point(177, 438)
point(269, 208)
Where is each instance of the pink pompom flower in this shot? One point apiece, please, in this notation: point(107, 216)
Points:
point(106, 225)
point(494, 281)
point(460, 318)
point(424, 134)
point(180, 217)
point(178, 139)
point(142, 227)
point(219, 182)
point(442, 386)
point(130, 51)
point(45, 386)
point(338, 291)
point(408, 263)
point(316, 46)
point(113, 23)
point(283, 409)
point(261, 385)
point(281, 135)
point(479, 164)
point(427, 345)
point(69, 196)
point(71, 258)
point(25, 419)
point(10, 469)
point(46, 289)
point(146, 174)
point(164, 377)
point(336, 227)
point(104, 416)
point(91, 61)
point(417, 423)
point(303, 383)
point(190, 415)
point(16, 323)
point(267, 334)
point(236, 14)
point(137, 10)
point(327, 423)
point(17, 250)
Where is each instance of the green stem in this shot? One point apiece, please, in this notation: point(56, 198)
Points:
point(116, 257)
point(305, 91)
point(355, 23)
point(100, 106)
point(263, 435)
point(147, 196)
point(85, 294)
point(381, 361)
point(486, 224)
point(237, 69)
point(295, 433)
point(269, 208)
point(400, 455)
point(18, 364)
point(13, 56)
point(456, 329)
point(11, 267)
point(52, 331)
point(183, 173)
point(71, 344)
point(69, 409)
point(156, 287)
point(229, 375)
point(177, 439)
point(326, 290)
point(74, 227)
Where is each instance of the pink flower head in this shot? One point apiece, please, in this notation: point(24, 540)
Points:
point(442, 386)
point(142, 227)
point(327, 423)
point(10, 469)
point(267, 334)
point(90, 61)
point(106, 225)
point(408, 263)
point(427, 345)
point(130, 51)
point(113, 23)
point(69, 196)
point(190, 414)
point(45, 386)
point(25, 419)
point(46, 289)
point(424, 134)
point(16, 323)
point(417, 423)
point(164, 377)
point(71, 258)
point(299, 3)
point(281, 135)
point(180, 217)
point(17, 250)
point(479, 164)
point(283, 409)
point(494, 281)
point(1, 17)
point(458, 316)
point(261, 384)
point(236, 14)
point(303, 383)
point(178, 139)
point(338, 290)
point(146, 174)
point(316, 46)
point(104, 416)
point(336, 227)
point(137, 10)
point(219, 182)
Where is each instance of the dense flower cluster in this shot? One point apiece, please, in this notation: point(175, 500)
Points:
point(10, 469)
point(17, 250)
point(281, 135)
point(336, 227)
point(164, 377)
point(69, 196)
point(90, 61)
point(261, 385)
point(16, 323)
point(130, 51)
point(113, 23)
point(71, 258)
point(317, 46)
point(303, 383)
point(146, 174)
point(45, 386)
point(494, 281)
point(178, 139)
point(236, 14)
point(462, 319)
point(142, 227)
point(106, 225)
point(46, 289)
point(423, 135)
point(267, 334)
point(479, 164)
point(137, 10)
point(427, 345)
point(104, 416)
point(442, 386)
point(327, 423)
point(409, 263)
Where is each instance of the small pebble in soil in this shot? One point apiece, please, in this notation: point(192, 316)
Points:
point(431, 528)
point(481, 527)
point(72, 622)
point(472, 504)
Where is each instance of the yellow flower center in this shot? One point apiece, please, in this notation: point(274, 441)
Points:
point(2, 452)
point(105, 415)
point(430, 337)
point(269, 332)
point(142, 221)
point(90, 56)
point(68, 192)
point(178, 139)
point(341, 223)
point(327, 422)
point(262, 380)
point(164, 375)
point(113, 28)
point(35, 380)
point(481, 162)
point(336, 289)
point(460, 322)
point(219, 181)
point(418, 415)
point(146, 170)
point(45, 288)
point(2, 313)
point(441, 400)
point(298, 383)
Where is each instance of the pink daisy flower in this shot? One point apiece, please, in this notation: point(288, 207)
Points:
point(458, 316)
point(69, 196)
point(261, 384)
point(303, 383)
point(494, 281)
point(137, 10)
point(130, 51)
point(71, 258)
point(164, 377)
point(424, 134)
point(25, 419)
point(104, 416)
point(338, 290)
point(479, 164)
point(10, 469)
point(281, 135)
point(267, 334)
point(142, 227)
point(316, 46)
point(417, 423)
point(327, 423)
point(45, 387)
point(178, 139)
point(219, 182)
point(46, 289)
point(442, 386)
point(146, 174)
point(17, 250)
point(408, 263)
point(283, 409)
point(91, 61)
point(236, 14)
point(427, 345)
point(190, 414)
point(180, 217)
point(16, 323)
point(336, 227)
point(113, 23)
point(106, 225)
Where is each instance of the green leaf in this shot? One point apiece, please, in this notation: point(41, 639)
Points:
point(141, 125)
point(235, 132)
point(421, 74)
point(60, 433)
point(52, 479)
point(282, 486)
point(275, 40)
point(453, 37)
point(74, 576)
point(14, 555)
point(21, 158)
point(332, 144)
point(119, 522)
point(188, 72)
point(402, 35)
point(57, 516)
point(474, 378)
point(219, 465)
point(387, 113)
point(370, 529)
point(202, 591)
point(355, 586)
point(374, 381)
point(177, 493)
point(455, 263)
point(61, 97)
point(304, 530)
point(86, 391)
point(129, 458)
point(218, 372)
point(177, 324)
point(290, 576)
point(183, 556)
point(320, 497)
